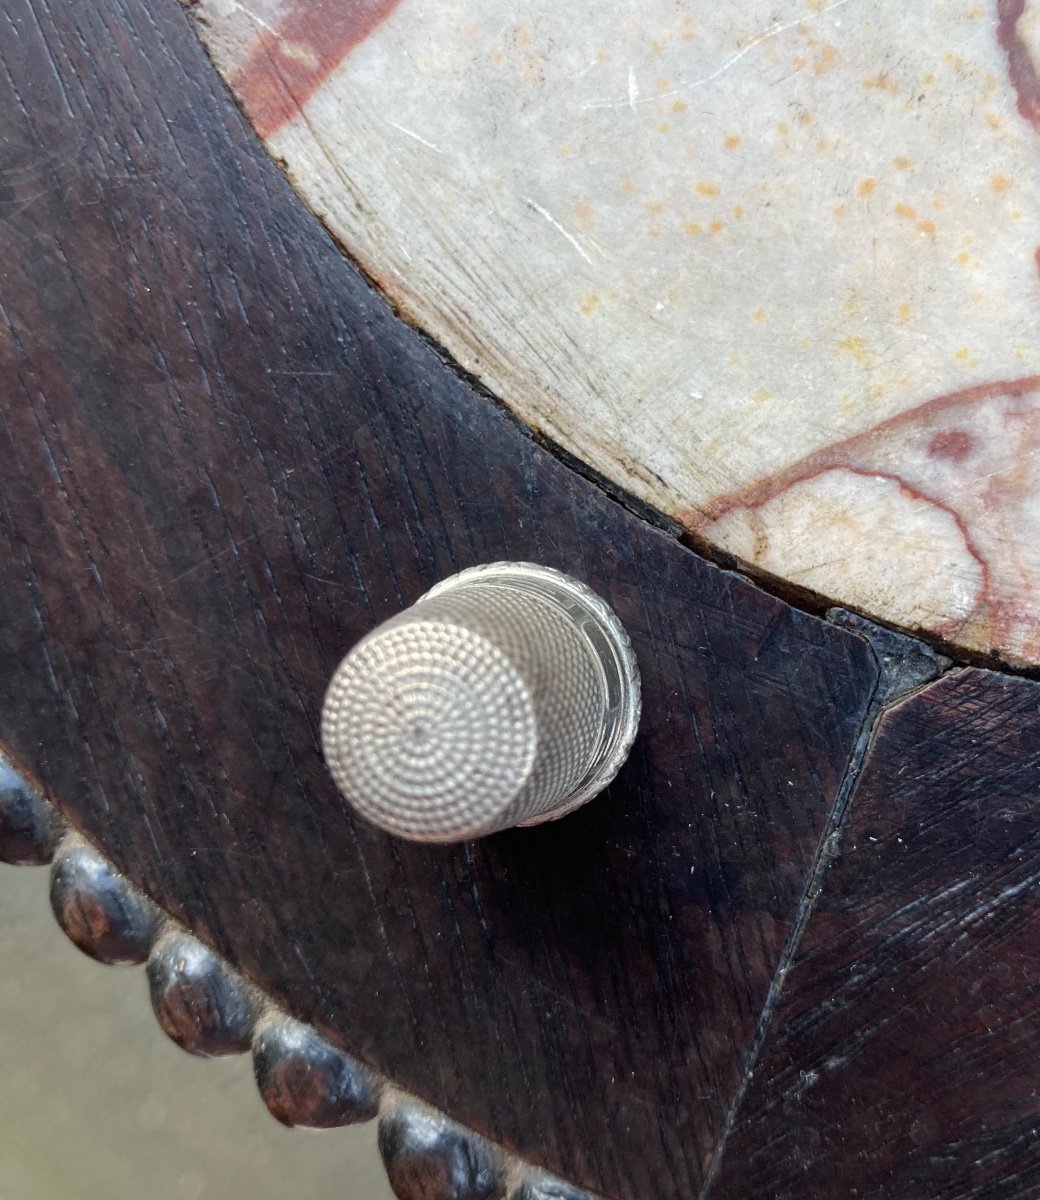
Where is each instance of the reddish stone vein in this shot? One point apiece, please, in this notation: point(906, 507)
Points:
point(1021, 67)
point(850, 452)
point(860, 455)
point(286, 66)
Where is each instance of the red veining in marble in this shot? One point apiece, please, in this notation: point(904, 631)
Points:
point(987, 480)
point(953, 444)
point(1024, 76)
point(287, 65)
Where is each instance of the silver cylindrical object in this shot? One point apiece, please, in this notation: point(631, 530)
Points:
point(507, 695)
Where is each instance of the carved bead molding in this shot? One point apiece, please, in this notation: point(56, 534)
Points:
point(208, 1009)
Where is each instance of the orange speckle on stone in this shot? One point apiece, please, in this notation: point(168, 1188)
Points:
point(964, 258)
point(882, 83)
point(732, 141)
point(838, 210)
point(679, 106)
point(824, 61)
point(628, 187)
point(938, 202)
point(866, 186)
point(926, 228)
point(759, 396)
point(589, 303)
point(901, 163)
point(963, 354)
point(717, 227)
point(653, 232)
point(904, 210)
point(738, 212)
point(815, 5)
point(999, 184)
point(664, 83)
point(565, 149)
point(497, 57)
point(583, 213)
point(805, 117)
point(904, 311)
point(759, 315)
point(928, 79)
point(992, 120)
point(663, 127)
point(854, 346)
point(691, 227)
point(656, 47)
point(655, 206)
point(783, 129)
point(707, 189)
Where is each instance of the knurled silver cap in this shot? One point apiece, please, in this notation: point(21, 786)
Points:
point(507, 695)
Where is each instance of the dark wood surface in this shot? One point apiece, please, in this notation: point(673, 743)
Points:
point(224, 460)
point(902, 1060)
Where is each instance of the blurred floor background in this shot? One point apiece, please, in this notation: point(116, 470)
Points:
point(96, 1103)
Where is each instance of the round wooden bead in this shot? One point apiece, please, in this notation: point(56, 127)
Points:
point(100, 911)
point(545, 1187)
point(29, 827)
point(199, 1001)
point(429, 1158)
point(305, 1081)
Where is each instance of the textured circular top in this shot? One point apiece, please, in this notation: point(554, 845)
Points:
point(429, 730)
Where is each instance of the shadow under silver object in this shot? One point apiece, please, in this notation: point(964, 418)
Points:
point(507, 695)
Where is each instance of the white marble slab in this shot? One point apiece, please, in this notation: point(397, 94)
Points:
point(771, 265)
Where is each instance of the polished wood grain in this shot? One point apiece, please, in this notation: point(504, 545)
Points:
point(224, 460)
point(902, 1059)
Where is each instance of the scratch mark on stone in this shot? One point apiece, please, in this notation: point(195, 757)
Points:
point(688, 86)
point(557, 226)
point(412, 134)
point(258, 21)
